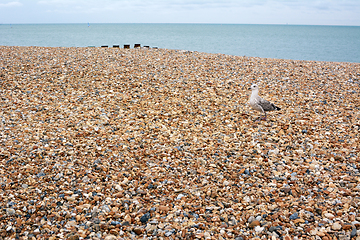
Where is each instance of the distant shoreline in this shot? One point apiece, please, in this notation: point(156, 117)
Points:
point(299, 42)
point(263, 24)
point(176, 50)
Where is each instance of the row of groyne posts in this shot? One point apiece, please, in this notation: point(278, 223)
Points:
point(126, 46)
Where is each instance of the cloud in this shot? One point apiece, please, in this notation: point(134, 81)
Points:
point(328, 12)
point(95, 6)
point(176, 5)
point(11, 4)
point(202, 4)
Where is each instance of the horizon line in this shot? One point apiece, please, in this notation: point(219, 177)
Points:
point(282, 24)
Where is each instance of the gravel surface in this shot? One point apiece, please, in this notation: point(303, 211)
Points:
point(104, 143)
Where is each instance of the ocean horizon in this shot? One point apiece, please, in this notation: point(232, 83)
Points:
point(283, 41)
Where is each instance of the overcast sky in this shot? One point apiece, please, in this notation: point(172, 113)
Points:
point(309, 12)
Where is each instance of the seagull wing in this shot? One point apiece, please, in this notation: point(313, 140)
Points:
point(266, 105)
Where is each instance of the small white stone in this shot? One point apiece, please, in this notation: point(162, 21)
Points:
point(207, 235)
point(313, 231)
point(329, 216)
point(259, 229)
point(180, 196)
point(10, 211)
point(110, 237)
point(247, 199)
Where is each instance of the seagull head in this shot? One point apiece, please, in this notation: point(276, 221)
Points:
point(254, 87)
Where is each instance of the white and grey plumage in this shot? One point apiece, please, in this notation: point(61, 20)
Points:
point(260, 104)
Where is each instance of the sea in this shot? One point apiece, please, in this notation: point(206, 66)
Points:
point(297, 42)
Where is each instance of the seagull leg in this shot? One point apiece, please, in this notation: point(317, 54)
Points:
point(264, 118)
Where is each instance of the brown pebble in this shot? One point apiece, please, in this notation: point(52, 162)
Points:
point(287, 237)
point(138, 231)
point(164, 208)
point(346, 226)
point(286, 190)
point(114, 232)
point(254, 224)
point(73, 237)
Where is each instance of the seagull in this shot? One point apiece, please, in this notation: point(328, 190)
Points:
point(260, 104)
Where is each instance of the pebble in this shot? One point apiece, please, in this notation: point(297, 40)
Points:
point(259, 229)
point(110, 237)
point(329, 216)
point(254, 223)
point(73, 237)
point(138, 231)
point(144, 218)
point(109, 143)
point(336, 226)
point(294, 216)
point(347, 226)
point(10, 211)
point(353, 233)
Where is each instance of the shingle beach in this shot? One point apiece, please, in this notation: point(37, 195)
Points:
point(112, 143)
